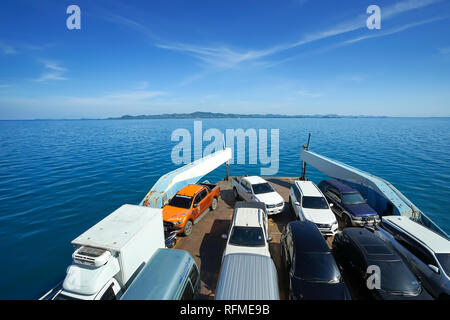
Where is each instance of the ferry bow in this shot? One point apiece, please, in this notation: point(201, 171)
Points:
point(175, 180)
point(380, 194)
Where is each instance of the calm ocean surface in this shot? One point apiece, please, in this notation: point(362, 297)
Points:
point(58, 178)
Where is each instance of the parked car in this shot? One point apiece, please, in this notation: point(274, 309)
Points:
point(359, 251)
point(169, 275)
point(188, 206)
point(247, 276)
point(308, 203)
point(256, 189)
point(248, 230)
point(348, 203)
point(312, 271)
point(424, 251)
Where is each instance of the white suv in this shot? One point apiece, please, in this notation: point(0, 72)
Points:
point(308, 203)
point(248, 230)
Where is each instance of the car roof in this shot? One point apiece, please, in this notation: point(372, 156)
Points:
point(431, 239)
point(255, 179)
point(245, 276)
point(161, 276)
point(372, 247)
point(250, 217)
point(190, 190)
point(342, 187)
point(308, 188)
point(307, 238)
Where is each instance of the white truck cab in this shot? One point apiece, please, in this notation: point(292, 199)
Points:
point(109, 255)
point(308, 203)
point(256, 189)
point(248, 230)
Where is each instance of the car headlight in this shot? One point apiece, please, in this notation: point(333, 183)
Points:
point(178, 222)
point(356, 218)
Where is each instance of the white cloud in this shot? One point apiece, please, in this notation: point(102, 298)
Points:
point(224, 57)
point(7, 49)
point(54, 71)
point(444, 50)
point(308, 94)
point(391, 31)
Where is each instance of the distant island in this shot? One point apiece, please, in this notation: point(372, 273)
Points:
point(214, 115)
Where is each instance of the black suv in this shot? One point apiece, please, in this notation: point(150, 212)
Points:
point(312, 271)
point(359, 251)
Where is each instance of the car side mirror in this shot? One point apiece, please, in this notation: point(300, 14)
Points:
point(331, 205)
point(433, 268)
point(224, 236)
point(269, 238)
point(297, 203)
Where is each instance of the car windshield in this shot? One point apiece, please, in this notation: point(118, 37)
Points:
point(181, 201)
point(353, 198)
point(247, 236)
point(262, 188)
point(316, 267)
point(314, 203)
point(444, 260)
point(396, 278)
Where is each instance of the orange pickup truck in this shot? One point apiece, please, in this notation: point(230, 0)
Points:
point(189, 205)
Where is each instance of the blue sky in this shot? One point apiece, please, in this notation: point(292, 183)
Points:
point(288, 57)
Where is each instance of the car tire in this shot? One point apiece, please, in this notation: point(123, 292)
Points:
point(236, 194)
point(187, 228)
point(214, 204)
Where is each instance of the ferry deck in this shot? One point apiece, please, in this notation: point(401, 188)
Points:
point(206, 244)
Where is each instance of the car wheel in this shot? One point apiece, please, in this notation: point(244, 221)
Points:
point(214, 204)
point(187, 228)
point(236, 194)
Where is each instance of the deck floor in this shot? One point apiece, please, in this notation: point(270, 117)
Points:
point(206, 245)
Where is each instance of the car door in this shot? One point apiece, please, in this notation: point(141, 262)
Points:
point(334, 196)
point(284, 248)
point(298, 207)
point(197, 205)
point(205, 202)
point(247, 191)
point(300, 213)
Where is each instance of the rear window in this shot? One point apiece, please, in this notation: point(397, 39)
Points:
point(396, 278)
point(180, 201)
point(317, 267)
point(247, 237)
point(444, 260)
point(314, 203)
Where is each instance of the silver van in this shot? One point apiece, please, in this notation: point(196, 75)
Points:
point(247, 276)
point(169, 275)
